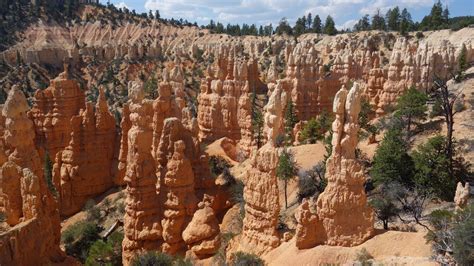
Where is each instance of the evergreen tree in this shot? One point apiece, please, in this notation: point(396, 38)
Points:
point(299, 27)
point(48, 174)
point(157, 14)
point(330, 26)
point(406, 22)
point(317, 28)
point(309, 22)
point(18, 58)
point(432, 169)
point(363, 24)
point(411, 106)
point(257, 121)
point(378, 22)
point(283, 27)
point(393, 19)
point(462, 63)
point(303, 22)
point(286, 170)
point(446, 15)
point(384, 208)
point(391, 163)
point(437, 15)
point(290, 120)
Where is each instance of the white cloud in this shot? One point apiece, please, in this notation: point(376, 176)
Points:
point(347, 25)
point(121, 5)
point(383, 5)
point(344, 12)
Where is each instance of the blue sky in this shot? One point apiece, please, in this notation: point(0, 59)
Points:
point(263, 12)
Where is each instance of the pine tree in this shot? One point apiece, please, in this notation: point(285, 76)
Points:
point(157, 14)
point(257, 121)
point(378, 22)
point(406, 22)
point(462, 63)
point(317, 28)
point(48, 174)
point(286, 170)
point(391, 163)
point(299, 27)
point(290, 120)
point(330, 26)
point(411, 106)
point(432, 169)
point(363, 24)
point(309, 22)
point(446, 15)
point(436, 16)
point(283, 27)
point(393, 19)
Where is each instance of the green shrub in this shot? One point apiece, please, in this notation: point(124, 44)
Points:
point(311, 132)
point(246, 259)
point(312, 182)
point(384, 208)
point(459, 106)
point(79, 238)
point(364, 257)
point(109, 252)
point(92, 211)
point(463, 232)
point(218, 165)
point(436, 109)
point(315, 129)
point(280, 140)
point(152, 258)
point(452, 235)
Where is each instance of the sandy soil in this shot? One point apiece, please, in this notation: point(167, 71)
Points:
point(387, 248)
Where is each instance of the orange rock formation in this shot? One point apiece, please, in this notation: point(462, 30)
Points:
point(31, 211)
point(342, 216)
point(52, 111)
point(202, 235)
point(166, 173)
point(224, 102)
point(461, 198)
point(85, 166)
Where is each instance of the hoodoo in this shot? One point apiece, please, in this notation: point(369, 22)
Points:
point(131, 138)
point(342, 216)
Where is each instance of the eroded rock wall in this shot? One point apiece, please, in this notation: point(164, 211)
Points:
point(167, 175)
point(52, 111)
point(86, 164)
point(224, 101)
point(31, 211)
